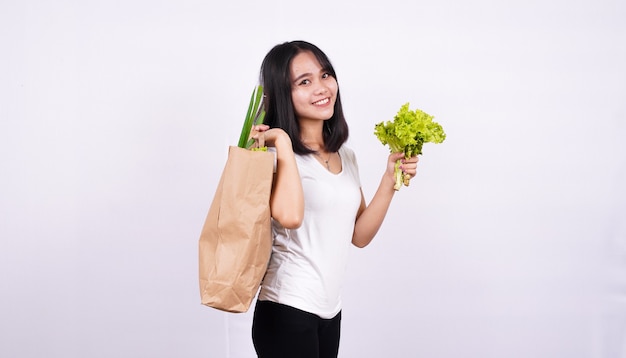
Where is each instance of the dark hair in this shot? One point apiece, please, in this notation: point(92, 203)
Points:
point(279, 110)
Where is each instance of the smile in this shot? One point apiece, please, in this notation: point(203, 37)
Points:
point(321, 102)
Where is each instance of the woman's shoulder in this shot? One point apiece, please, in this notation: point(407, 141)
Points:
point(346, 152)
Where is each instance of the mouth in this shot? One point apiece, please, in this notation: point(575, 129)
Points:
point(322, 102)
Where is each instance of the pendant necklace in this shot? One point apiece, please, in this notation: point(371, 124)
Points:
point(325, 160)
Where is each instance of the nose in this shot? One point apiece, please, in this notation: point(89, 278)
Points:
point(322, 89)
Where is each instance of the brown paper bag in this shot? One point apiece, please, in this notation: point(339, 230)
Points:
point(236, 240)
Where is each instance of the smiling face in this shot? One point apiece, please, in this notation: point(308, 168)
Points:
point(313, 89)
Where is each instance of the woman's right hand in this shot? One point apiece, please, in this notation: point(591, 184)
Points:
point(272, 137)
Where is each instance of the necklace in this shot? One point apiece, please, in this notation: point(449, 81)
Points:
point(325, 160)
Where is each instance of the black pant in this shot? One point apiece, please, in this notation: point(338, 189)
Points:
point(280, 331)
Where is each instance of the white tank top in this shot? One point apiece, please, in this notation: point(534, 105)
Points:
point(308, 264)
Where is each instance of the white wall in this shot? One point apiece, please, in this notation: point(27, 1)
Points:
point(115, 117)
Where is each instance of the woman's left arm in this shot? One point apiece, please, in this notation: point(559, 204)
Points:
point(370, 217)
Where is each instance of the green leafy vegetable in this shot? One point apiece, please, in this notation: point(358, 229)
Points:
point(255, 115)
point(407, 133)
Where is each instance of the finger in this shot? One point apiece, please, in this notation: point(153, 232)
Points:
point(413, 159)
point(396, 156)
point(409, 168)
point(260, 140)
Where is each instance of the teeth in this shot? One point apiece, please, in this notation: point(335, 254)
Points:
point(324, 101)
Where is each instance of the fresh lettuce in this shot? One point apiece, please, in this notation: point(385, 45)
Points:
point(407, 133)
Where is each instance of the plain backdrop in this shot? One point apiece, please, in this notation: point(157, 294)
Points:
point(115, 118)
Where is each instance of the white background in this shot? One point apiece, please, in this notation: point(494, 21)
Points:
point(115, 117)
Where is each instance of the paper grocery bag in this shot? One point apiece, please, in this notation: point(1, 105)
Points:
point(236, 239)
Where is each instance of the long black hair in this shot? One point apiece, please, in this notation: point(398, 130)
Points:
point(279, 111)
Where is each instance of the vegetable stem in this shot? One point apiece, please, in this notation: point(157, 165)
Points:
point(254, 115)
point(398, 176)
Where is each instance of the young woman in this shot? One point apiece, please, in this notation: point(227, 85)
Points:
point(317, 205)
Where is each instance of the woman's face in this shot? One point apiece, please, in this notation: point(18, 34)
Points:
point(313, 90)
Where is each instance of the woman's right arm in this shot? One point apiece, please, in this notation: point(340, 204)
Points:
point(287, 198)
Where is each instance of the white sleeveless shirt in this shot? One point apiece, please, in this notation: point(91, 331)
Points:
point(308, 264)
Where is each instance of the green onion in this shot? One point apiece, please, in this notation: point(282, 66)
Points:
point(254, 116)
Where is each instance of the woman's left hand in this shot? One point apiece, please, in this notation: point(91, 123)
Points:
point(408, 166)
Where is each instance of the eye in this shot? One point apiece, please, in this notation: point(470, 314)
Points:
point(304, 82)
point(326, 75)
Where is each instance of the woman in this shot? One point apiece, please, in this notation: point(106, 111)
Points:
point(317, 205)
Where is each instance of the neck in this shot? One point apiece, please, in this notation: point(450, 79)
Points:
point(311, 135)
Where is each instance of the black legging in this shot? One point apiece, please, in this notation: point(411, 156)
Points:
point(280, 331)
